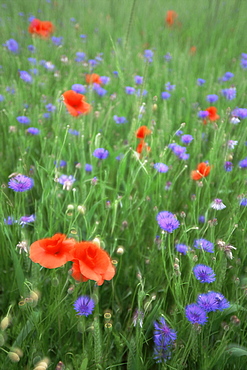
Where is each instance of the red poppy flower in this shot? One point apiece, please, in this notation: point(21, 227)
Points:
point(90, 262)
point(93, 79)
point(171, 16)
point(203, 170)
point(142, 132)
point(213, 116)
point(193, 50)
point(52, 252)
point(75, 103)
point(41, 28)
point(142, 146)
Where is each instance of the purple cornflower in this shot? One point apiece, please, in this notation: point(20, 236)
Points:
point(179, 133)
point(243, 202)
point(62, 163)
point(25, 76)
point(9, 220)
point(32, 60)
point(88, 167)
point(228, 166)
point(33, 131)
point(200, 81)
point(169, 86)
point(201, 219)
point(148, 54)
point(202, 114)
point(179, 151)
point(80, 56)
point(119, 120)
point(212, 98)
point(83, 36)
point(164, 337)
point(57, 40)
point(230, 93)
point(2, 98)
point(138, 80)
point(80, 89)
point(243, 163)
point(186, 139)
point(227, 76)
point(161, 167)
point(46, 115)
point(66, 181)
point(218, 204)
point(73, 132)
point(195, 314)
point(239, 112)
point(130, 90)
point(84, 305)
point(105, 80)
point(23, 119)
point(243, 63)
point(101, 153)
point(21, 183)
point(12, 46)
point(165, 95)
point(24, 220)
point(204, 244)
point(168, 57)
point(167, 221)
point(182, 248)
point(212, 301)
point(31, 48)
point(204, 274)
point(100, 90)
point(50, 107)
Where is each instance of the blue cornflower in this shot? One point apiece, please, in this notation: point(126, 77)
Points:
point(165, 95)
point(212, 98)
point(62, 163)
point(92, 62)
point(73, 132)
point(50, 107)
point(195, 314)
point(143, 92)
point(161, 167)
point(204, 274)
point(164, 337)
point(80, 89)
point(101, 153)
point(24, 220)
point(212, 301)
point(33, 131)
point(179, 151)
point(201, 219)
point(84, 305)
point(34, 71)
point(169, 86)
point(230, 93)
point(167, 221)
point(243, 163)
point(243, 202)
point(148, 54)
point(119, 120)
point(80, 57)
point(2, 98)
point(21, 183)
point(46, 115)
point(23, 119)
point(9, 220)
point(65, 179)
point(25, 76)
point(240, 113)
point(32, 60)
point(179, 133)
point(57, 40)
point(168, 57)
point(204, 244)
point(12, 45)
point(138, 80)
point(227, 76)
point(200, 81)
point(202, 114)
point(182, 248)
point(186, 139)
point(243, 63)
point(31, 48)
point(130, 90)
point(100, 90)
point(83, 36)
point(49, 65)
point(232, 143)
point(88, 167)
point(228, 166)
point(105, 80)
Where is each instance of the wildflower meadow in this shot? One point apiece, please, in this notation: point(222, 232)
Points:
point(123, 211)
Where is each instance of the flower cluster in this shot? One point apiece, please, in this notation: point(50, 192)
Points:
point(90, 262)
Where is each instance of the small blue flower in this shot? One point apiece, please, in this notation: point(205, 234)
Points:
point(23, 119)
point(73, 132)
point(84, 305)
point(202, 114)
point(161, 167)
point(169, 86)
point(119, 120)
point(88, 167)
point(21, 183)
point(212, 301)
point(195, 314)
point(105, 80)
point(139, 80)
point(230, 93)
point(186, 139)
point(168, 57)
point(80, 56)
point(167, 221)
point(243, 163)
point(182, 248)
point(200, 81)
point(9, 220)
point(33, 131)
point(12, 45)
point(204, 244)
point(101, 153)
point(2, 98)
point(204, 274)
point(25, 76)
point(148, 55)
point(130, 90)
point(212, 98)
point(80, 89)
point(163, 338)
point(57, 40)
point(24, 220)
point(243, 202)
point(228, 166)
point(165, 95)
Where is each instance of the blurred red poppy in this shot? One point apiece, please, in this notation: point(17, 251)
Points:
point(203, 170)
point(93, 79)
point(41, 28)
point(213, 116)
point(75, 103)
point(170, 18)
point(52, 252)
point(142, 132)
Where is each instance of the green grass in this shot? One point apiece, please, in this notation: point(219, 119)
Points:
point(121, 207)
